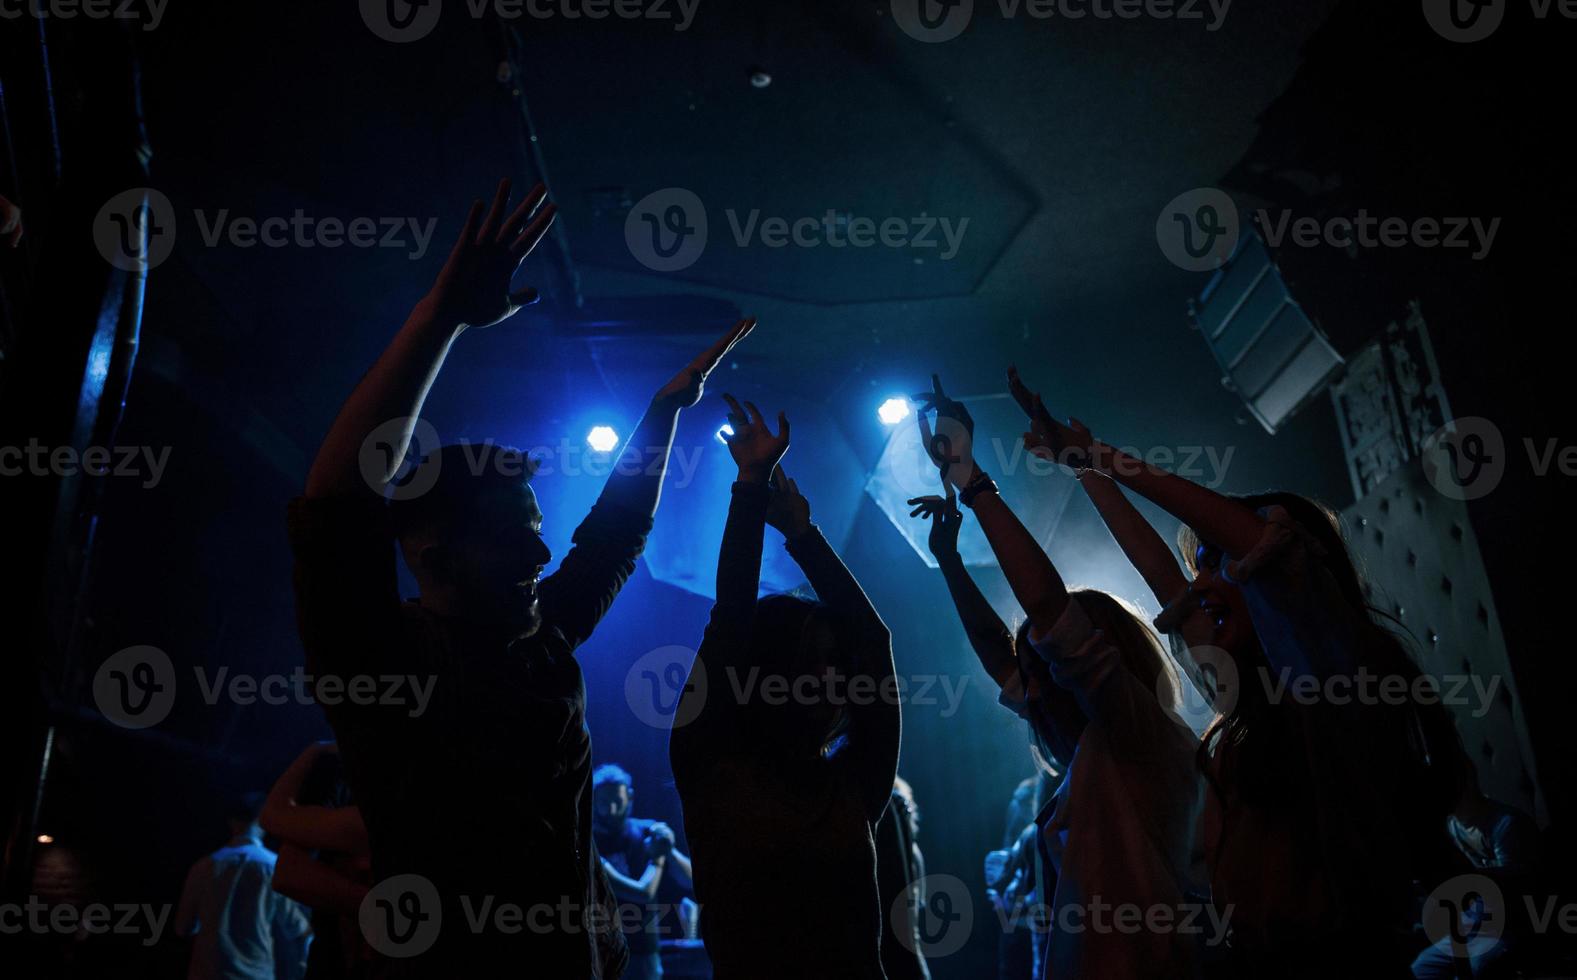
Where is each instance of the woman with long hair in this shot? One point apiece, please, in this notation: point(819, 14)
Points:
point(785, 744)
point(1119, 828)
point(1317, 791)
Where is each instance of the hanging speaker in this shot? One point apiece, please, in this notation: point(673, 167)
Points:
point(1271, 354)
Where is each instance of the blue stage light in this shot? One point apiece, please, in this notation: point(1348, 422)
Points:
point(602, 438)
point(893, 410)
point(724, 432)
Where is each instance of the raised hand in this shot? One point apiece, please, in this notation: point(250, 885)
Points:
point(787, 508)
point(753, 445)
point(1027, 400)
point(1048, 438)
point(951, 446)
point(685, 388)
point(473, 288)
point(946, 521)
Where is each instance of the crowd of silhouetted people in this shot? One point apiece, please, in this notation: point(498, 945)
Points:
point(1183, 821)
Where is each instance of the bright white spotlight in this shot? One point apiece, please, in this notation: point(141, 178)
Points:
point(724, 432)
point(893, 411)
point(602, 438)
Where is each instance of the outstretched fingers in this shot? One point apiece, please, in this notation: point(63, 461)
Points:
point(1020, 391)
point(713, 356)
point(739, 332)
point(933, 399)
point(521, 214)
point(736, 415)
point(468, 230)
point(534, 232)
point(495, 213)
point(928, 438)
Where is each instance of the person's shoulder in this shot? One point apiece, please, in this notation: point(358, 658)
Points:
point(257, 861)
point(554, 639)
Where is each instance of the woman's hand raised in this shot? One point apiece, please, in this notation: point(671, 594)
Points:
point(753, 445)
point(787, 510)
point(946, 521)
point(1047, 438)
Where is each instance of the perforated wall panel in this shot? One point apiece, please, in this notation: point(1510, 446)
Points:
point(1423, 564)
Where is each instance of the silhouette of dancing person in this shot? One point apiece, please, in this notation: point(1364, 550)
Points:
point(484, 793)
point(785, 763)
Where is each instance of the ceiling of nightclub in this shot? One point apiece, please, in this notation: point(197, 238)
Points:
point(1057, 143)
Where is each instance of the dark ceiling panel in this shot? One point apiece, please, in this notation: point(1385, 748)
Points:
point(837, 142)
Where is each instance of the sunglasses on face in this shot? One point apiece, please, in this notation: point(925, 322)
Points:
point(1207, 558)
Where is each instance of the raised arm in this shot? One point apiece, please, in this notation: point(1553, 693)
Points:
point(299, 876)
point(637, 481)
point(1139, 541)
point(610, 539)
point(725, 646)
point(306, 826)
point(988, 635)
point(835, 585)
point(756, 452)
point(875, 723)
point(1030, 574)
point(471, 291)
point(1145, 549)
point(1219, 519)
